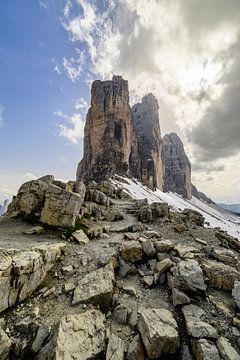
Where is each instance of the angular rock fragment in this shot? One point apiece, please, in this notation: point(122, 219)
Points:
point(236, 293)
point(226, 350)
point(96, 287)
point(5, 345)
point(195, 326)
point(80, 237)
point(61, 207)
point(115, 349)
point(159, 332)
point(132, 251)
point(163, 265)
point(148, 248)
point(179, 298)
point(79, 337)
point(135, 350)
point(205, 350)
point(220, 275)
point(188, 275)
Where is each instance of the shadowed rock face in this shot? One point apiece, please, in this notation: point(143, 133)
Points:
point(177, 166)
point(108, 133)
point(147, 130)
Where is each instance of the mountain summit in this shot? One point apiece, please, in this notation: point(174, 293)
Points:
point(122, 140)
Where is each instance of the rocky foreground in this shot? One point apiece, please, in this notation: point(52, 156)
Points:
point(93, 274)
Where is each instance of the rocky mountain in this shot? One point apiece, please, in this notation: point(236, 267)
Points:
point(147, 131)
point(177, 167)
point(127, 141)
point(235, 208)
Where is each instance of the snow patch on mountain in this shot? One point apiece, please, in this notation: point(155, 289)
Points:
point(215, 216)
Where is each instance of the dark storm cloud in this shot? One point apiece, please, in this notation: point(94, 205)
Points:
point(218, 133)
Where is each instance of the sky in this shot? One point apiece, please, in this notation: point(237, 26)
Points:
point(187, 53)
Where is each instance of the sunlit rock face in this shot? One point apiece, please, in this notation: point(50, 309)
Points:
point(108, 133)
point(177, 170)
point(147, 130)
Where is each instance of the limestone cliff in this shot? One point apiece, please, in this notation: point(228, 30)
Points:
point(147, 130)
point(108, 133)
point(177, 176)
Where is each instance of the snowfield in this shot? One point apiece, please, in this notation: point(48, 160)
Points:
point(214, 215)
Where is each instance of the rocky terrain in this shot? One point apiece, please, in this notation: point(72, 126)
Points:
point(109, 277)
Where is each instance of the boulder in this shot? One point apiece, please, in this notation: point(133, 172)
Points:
point(30, 199)
point(179, 297)
point(188, 275)
point(36, 230)
point(80, 237)
point(135, 350)
point(132, 251)
point(164, 265)
point(22, 272)
point(193, 217)
point(145, 214)
point(236, 293)
point(220, 275)
point(148, 248)
point(96, 287)
point(115, 349)
point(78, 336)
point(226, 350)
point(97, 197)
point(204, 350)
point(163, 246)
point(61, 207)
point(196, 327)
point(227, 256)
point(5, 345)
point(185, 251)
point(159, 332)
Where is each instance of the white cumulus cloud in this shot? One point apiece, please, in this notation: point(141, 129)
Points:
point(73, 128)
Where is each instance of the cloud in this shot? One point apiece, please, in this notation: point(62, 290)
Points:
point(67, 9)
point(73, 131)
point(57, 69)
point(1, 115)
point(9, 184)
point(74, 66)
point(186, 53)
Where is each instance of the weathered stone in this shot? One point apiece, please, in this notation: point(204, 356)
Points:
point(220, 275)
point(108, 131)
point(147, 130)
point(97, 197)
point(226, 350)
point(37, 230)
point(204, 350)
point(148, 248)
point(115, 349)
point(135, 350)
point(42, 334)
point(160, 210)
point(163, 265)
point(236, 293)
point(159, 332)
point(30, 199)
point(177, 166)
point(120, 314)
point(188, 275)
point(148, 280)
point(195, 326)
point(61, 207)
point(5, 345)
point(179, 298)
point(80, 237)
point(79, 337)
point(132, 251)
point(23, 272)
point(163, 246)
point(193, 217)
point(145, 214)
point(184, 250)
point(180, 228)
point(129, 288)
point(225, 255)
point(96, 287)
